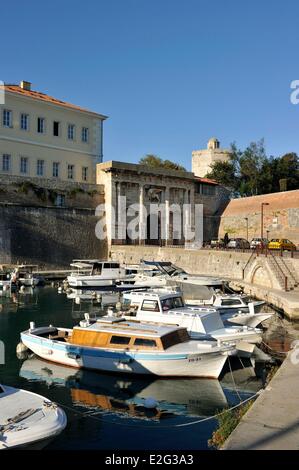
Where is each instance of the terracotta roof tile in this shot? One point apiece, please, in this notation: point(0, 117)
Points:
point(44, 97)
point(206, 180)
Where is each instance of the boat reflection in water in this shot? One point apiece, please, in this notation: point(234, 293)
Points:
point(13, 300)
point(148, 397)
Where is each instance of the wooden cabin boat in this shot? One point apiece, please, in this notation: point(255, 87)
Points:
point(116, 345)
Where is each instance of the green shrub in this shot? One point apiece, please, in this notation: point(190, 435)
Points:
point(227, 422)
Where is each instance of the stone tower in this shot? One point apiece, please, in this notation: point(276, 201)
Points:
point(203, 159)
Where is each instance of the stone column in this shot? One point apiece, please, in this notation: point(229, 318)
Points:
point(186, 215)
point(110, 205)
point(168, 235)
point(142, 215)
point(121, 215)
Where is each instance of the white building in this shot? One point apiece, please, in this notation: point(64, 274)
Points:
point(45, 137)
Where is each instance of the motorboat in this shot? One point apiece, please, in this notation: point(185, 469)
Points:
point(25, 275)
point(162, 273)
point(116, 345)
point(96, 273)
point(229, 303)
point(247, 316)
point(28, 420)
point(201, 322)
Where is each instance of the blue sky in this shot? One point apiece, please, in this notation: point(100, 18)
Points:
point(168, 73)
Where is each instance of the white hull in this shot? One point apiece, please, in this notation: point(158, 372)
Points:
point(251, 320)
point(188, 364)
point(31, 282)
point(42, 424)
point(90, 281)
point(4, 284)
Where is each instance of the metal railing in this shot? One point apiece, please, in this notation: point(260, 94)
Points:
point(279, 271)
point(249, 262)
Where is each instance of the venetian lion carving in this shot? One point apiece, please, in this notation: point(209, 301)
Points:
point(154, 194)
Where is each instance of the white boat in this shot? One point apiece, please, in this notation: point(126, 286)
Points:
point(115, 345)
point(201, 322)
point(28, 420)
point(251, 318)
point(96, 273)
point(162, 273)
point(247, 316)
point(228, 303)
point(24, 275)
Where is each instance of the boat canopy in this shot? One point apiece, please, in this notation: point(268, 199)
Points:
point(80, 265)
point(166, 267)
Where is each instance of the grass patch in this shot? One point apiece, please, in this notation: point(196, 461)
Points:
point(227, 422)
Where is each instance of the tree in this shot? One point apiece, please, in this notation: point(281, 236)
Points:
point(251, 172)
point(288, 169)
point(224, 173)
point(251, 162)
point(153, 161)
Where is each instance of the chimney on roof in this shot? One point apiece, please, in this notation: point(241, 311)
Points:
point(25, 85)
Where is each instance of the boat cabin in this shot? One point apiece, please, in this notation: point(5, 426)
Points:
point(95, 267)
point(117, 333)
point(170, 308)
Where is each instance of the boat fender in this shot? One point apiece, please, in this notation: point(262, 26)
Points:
point(150, 403)
point(31, 326)
point(21, 348)
point(126, 360)
point(110, 312)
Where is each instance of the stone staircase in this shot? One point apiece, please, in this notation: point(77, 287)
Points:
point(293, 274)
point(284, 272)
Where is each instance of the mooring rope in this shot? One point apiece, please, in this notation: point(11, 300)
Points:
point(208, 418)
point(233, 379)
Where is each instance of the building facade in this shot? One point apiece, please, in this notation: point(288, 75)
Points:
point(202, 160)
point(141, 188)
point(44, 137)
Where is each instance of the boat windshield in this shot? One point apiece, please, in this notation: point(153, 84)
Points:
point(175, 337)
point(173, 270)
point(172, 302)
point(97, 269)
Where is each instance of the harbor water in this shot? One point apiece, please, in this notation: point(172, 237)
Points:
point(108, 411)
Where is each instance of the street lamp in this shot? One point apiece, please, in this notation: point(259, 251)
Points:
point(246, 218)
point(262, 217)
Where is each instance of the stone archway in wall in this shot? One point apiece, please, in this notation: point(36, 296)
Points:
point(261, 276)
